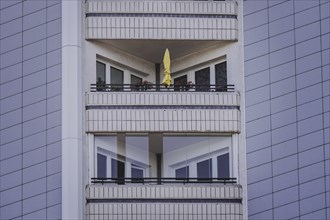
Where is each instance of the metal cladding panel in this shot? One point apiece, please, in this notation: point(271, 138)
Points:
point(185, 20)
point(189, 205)
point(163, 112)
point(162, 98)
point(171, 120)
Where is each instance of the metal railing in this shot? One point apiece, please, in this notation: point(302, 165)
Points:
point(163, 180)
point(160, 88)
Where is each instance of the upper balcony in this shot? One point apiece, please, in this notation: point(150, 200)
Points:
point(162, 20)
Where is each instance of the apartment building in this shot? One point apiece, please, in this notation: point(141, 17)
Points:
point(88, 131)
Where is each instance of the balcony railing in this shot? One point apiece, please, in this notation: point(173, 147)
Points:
point(164, 180)
point(160, 88)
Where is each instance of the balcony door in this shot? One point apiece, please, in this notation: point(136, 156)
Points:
point(221, 76)
point(117, 79)
point(202, 79)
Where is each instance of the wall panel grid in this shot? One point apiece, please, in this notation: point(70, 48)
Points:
point(171, 120)
point(161, 98)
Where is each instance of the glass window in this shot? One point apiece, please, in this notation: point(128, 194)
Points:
point(202, 79)
point(136, 83)
point(136, 80)
point(204, 169)
point(101, 166)
point(180, 83)
point(182, 172)
point(100, 76)
point(117, 79)
point(138, 156)
point(223, 166)
point(137, 174)
point(118, 170)
point(221, 76)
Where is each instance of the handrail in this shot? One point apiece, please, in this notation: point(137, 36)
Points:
point(163, 180)
point(160, 88)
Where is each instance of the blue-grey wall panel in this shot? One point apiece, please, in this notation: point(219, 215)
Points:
point(30, 109)
point(297, 105)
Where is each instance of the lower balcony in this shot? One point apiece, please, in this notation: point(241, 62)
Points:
point(166, 201)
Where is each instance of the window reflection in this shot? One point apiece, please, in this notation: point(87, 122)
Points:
point(158, 155)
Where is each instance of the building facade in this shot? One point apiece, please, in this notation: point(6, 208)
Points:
point(81, 100)
point(30, 109)
point(140, 130)
point(287, 109)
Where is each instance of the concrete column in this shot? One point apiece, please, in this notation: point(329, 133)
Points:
point(72, 108)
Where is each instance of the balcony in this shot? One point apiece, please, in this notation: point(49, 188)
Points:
point(127, 108)
point(167, 201)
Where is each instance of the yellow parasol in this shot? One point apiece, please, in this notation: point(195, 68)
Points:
point(167, 73)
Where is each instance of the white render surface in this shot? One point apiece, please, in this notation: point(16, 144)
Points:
point(100, 25)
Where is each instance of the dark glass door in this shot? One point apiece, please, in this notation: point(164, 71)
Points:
point(221, 77)
point(202, 79)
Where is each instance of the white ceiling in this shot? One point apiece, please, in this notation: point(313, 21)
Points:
point(153, 50)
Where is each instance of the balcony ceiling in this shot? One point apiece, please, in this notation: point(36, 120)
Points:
point(153, 50)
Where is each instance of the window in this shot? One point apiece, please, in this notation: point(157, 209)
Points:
point(117, 79)
point(202, 79)
point(137, 174)
point(137, 156)
point(182, 172)
point(204, 169)
point(221, 76)
point(136, 80)
point(223, 166)
point(180, 83)
point(118, 170)
point(136, 83)
point(100, 76)
point(101, 166)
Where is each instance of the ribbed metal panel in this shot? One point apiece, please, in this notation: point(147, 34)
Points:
point(186, 20)
point(101, 209)
point(174, 7)
point(158, 120)
point(162, 112)
point(162, 98)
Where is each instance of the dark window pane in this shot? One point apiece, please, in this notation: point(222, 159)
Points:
point(101, 166)
point(136, 83)
point(100, 76)
point(137, 175)
point(202, 79)
point(221, 76)
point(117, 78)
point(136, 80)
point(180, 83)
point(182, 172)
point(223, 166)
point(118, 170)
point(204, 169)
